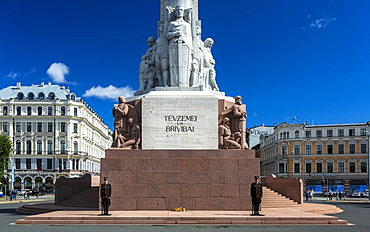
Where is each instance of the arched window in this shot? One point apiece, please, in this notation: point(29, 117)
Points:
point(28, 147)
point(18, 147)
point(284, 135)
point(281, 135)
point(39, 110)
point(63, 110)
point(73, 97)
point(50, 110)
point(287, 135)
point(5, 110)
point(51, 96)
point(296, 134)
point(19, 110)
point(62, 147)
point(39, 146)
point(30, 96)
point(41, 96)
point(50, 147)
point(20, 96)
point(75, 147)
point(29, 110)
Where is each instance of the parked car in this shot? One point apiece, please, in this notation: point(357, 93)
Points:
point(365, 193)
point(41, 191)
point(355, 193)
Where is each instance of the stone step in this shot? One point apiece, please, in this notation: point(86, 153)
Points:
point(272, 199)
point(88, 198)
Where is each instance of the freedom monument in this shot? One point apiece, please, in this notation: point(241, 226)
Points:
point(179, 141)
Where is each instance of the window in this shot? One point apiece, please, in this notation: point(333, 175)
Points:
point(75, 147)
point(363, 132)
point(281, 168)
point(73, 97)
point(363, 149)
point(49, 163)
point(352, 167)
point(30, 96)
point(62, 110)
point(18, 127)
point(20, 96)
point(341, 133)
point(319, 149)
point(41, 96)
point(50, 127)
point(5, 127)
point(62, 127)
point(363, 166)
point(28, 147)
point(75, 111)
point(329, 133)
point(340, 148)
point(308, 149)
point(352, 148)
point(351, 132)
point(284, 135)
point(330, 149)
point(297, 150)
point(28, 163)
point(74, 127)
point(39, 147)
point(29, 127)
point(308, 134)
point(51, 96)
point(17, 163)
point(38, 163)
point(308, 167)
point(341, 167)
point(284, 150)
point(297, 168)
point(29, 110)
point(50, 147)
point(50, 110)
point(319, 167)
point(62, 147)
point(296, 134)
point(39, 126)
point(19, 110)
point(319, 133)
point(5, 110)
point(330, 167)
point(39, 110)
point(18, 147)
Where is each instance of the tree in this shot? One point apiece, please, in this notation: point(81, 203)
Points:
point(6, 150)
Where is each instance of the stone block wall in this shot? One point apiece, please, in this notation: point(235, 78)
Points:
point(167, 179)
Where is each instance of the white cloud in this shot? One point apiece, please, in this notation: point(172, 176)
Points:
point(57, 72)
point(12, 74)
point(320, 23)
point(110, 92)
point(32, 70)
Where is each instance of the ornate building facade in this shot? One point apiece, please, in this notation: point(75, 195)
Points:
point(326, 156)
point(55, 135)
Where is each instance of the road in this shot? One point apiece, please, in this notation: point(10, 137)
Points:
point(356, 212)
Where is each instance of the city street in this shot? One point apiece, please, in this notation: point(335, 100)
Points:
point(355, 211)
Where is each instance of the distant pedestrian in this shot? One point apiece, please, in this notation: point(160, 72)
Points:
point(37, 193)
point(307, 194)
point(14, 194)
point(312, 193)
point(344, 195)
point(336, 195)
point(330, 195)
point(26, 195)
point(340, 195)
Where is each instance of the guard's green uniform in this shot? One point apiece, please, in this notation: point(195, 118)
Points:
point(105, 193)
point(256, 194)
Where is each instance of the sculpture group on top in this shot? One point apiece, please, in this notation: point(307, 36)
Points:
point(178, 58)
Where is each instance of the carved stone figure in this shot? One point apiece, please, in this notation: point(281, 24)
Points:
point(143, 69)
point(239, 117)
point(196, 78)
point(161, 58)
point(209, 72)
point(132, 138)
point(150, 71)
point(227, 139)
point(180, 47)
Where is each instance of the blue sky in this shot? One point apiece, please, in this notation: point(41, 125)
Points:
point(308, 59)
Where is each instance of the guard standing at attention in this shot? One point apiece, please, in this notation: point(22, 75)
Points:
point(256, 194)
point(105, 194)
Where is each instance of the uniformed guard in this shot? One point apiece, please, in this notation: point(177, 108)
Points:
point(256, 194)
point(105, 194)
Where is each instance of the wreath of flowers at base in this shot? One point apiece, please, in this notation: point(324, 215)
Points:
point(180, 209)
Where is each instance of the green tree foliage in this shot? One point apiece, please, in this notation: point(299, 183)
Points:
point(6, 149)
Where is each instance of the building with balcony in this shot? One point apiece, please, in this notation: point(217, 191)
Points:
point(326, 156)
point(55, 134)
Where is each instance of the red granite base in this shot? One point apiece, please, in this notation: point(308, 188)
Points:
point(167, 179)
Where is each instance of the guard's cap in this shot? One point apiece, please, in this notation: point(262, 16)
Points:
point(256, 177)
point(105, 178)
